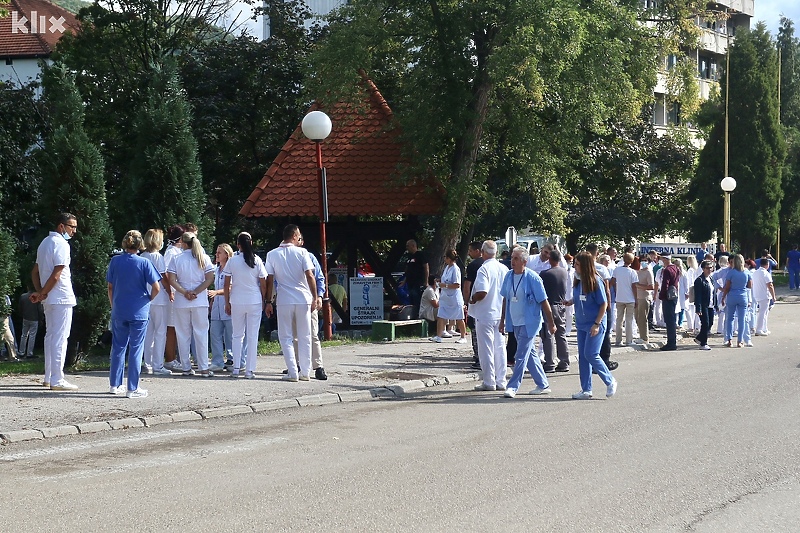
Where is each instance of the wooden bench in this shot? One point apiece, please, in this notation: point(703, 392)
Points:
point(390, 329)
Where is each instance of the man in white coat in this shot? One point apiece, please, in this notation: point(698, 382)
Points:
point(291, 268)
point(486, 307)
point(52, 280)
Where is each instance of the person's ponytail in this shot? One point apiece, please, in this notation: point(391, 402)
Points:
point(245, 243)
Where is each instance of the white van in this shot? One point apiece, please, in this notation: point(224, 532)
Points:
point(534, 241)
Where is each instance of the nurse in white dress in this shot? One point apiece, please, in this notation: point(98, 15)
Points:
point(451, 301)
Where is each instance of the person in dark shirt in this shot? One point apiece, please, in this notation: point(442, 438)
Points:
point(670, 278)
point(556, 280)
point(475, 263)
point(416, 276)
point(721, 252)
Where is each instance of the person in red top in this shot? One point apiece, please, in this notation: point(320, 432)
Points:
point(669, 278)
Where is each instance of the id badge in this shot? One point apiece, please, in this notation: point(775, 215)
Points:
point(583, 297)
point(514, 299)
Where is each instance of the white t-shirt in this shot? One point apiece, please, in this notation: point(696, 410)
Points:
point(53, 252)
point(289, 263)
point(538, 265)
point(625, 276)
point(158, 262)
point(489, 280)
point(171, 253)
point(189, 275)
point(761, 278)
point(245, 284)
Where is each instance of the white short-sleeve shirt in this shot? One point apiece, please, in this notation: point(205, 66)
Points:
point(189, 275)
point(288, 264)
point(245, 284)
point(158, 262)
point(625, 276)
point(489, 280)
point(53, 252)
point(761, 278)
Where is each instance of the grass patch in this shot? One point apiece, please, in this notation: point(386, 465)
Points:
point(780, 280)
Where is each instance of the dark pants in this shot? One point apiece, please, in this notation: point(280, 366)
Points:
point(668, 308)
point(559, 338)
point(706, 321)
point(511, 348)
point(473, 336)
point(605, 349)
point(415, 295)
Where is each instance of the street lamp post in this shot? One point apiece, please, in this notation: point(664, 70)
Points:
point(317, 126)
point(728, 184)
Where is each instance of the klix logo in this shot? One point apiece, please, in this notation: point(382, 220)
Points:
point(38, 24)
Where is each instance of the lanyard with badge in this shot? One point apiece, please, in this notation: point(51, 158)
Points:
point(515, 289)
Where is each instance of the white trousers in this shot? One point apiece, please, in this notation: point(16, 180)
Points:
point(491, 352)
point(294, 322)
point(245, 319)
point(316, 346)
point(192, 322)
point(155, 339)
point(58, 320)
point(763, 313)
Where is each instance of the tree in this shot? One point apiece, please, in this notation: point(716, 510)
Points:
point(164, 177)
point(757, 149)
point(246, 100)
point(789, 47)
point(72, 170)
point(9, 273)
point(450, 69)
point(21, 123)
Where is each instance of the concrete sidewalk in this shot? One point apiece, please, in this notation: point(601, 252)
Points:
point(359, 371)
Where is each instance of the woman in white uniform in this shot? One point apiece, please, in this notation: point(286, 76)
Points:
point(191, 274)
point(156, 337)
point(245, 290)
point(451, 301)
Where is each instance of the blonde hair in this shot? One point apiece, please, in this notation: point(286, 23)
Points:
point(227, 247)
point(132, 241)
point(191, 240)
point(153, 240)
point(737, 261)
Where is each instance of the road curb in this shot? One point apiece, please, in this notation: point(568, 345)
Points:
point(393, 391)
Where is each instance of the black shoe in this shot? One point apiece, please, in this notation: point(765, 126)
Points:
point(475, 366)
point(562, 368)
point(550, 370)
point(612, 365)
point(286, 370)
point(668, 348)
point(320, 374)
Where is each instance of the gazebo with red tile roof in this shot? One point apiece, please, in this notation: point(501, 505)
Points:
point(362, 157)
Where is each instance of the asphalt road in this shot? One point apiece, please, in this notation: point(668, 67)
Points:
point(693, 441)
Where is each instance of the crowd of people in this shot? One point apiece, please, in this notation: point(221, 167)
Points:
point(522, 297)
point(520, 308)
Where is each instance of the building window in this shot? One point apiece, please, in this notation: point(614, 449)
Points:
point(707, 68)
point(658, 111)
point(9, 61)
point(674, 116)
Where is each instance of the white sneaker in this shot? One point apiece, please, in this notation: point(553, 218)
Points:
point(749, 344)
point(436, 338)
point(173, 365)
point(63, 386)
point(138, 393)
point(539, 390)
point(447, 335)
point(147, 369)
point(216, 368)
point(705, 347)
point(484, 386)
point(163, 371)
point(462, 340)
point(116, 390)
point(582, 395)
point(510, 393)
point(250, 375)
point(611, 389)
point(293, 379)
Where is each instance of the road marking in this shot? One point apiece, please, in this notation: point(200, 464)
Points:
point(159, 462)
point(67, 448)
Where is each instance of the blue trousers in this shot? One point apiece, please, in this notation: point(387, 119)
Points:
point(127, 333)
point(794, 278)
point(589, 357)
point(735, 306)
point(524, 358)
point(221, 341)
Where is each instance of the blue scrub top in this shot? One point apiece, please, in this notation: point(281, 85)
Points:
point(130, 277)
point(586, 310)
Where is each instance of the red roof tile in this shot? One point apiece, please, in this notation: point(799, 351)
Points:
point(361, 157)
point(17, 38)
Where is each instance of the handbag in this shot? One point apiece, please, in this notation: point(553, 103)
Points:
point(672, 292)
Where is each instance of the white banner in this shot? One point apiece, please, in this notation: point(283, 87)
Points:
point(366, 300)
point(680, 249)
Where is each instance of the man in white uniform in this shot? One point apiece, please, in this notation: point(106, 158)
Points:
point(486, 307)
point(763, 291)
point(541, 262)
point(53, 283)
point(291, 268)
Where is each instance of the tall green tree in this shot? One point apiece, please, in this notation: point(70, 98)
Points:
point(72, 170)
point(450, 69)
point(9, 272)
point(757, 149)
point(165, 183)
point(789, 47)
